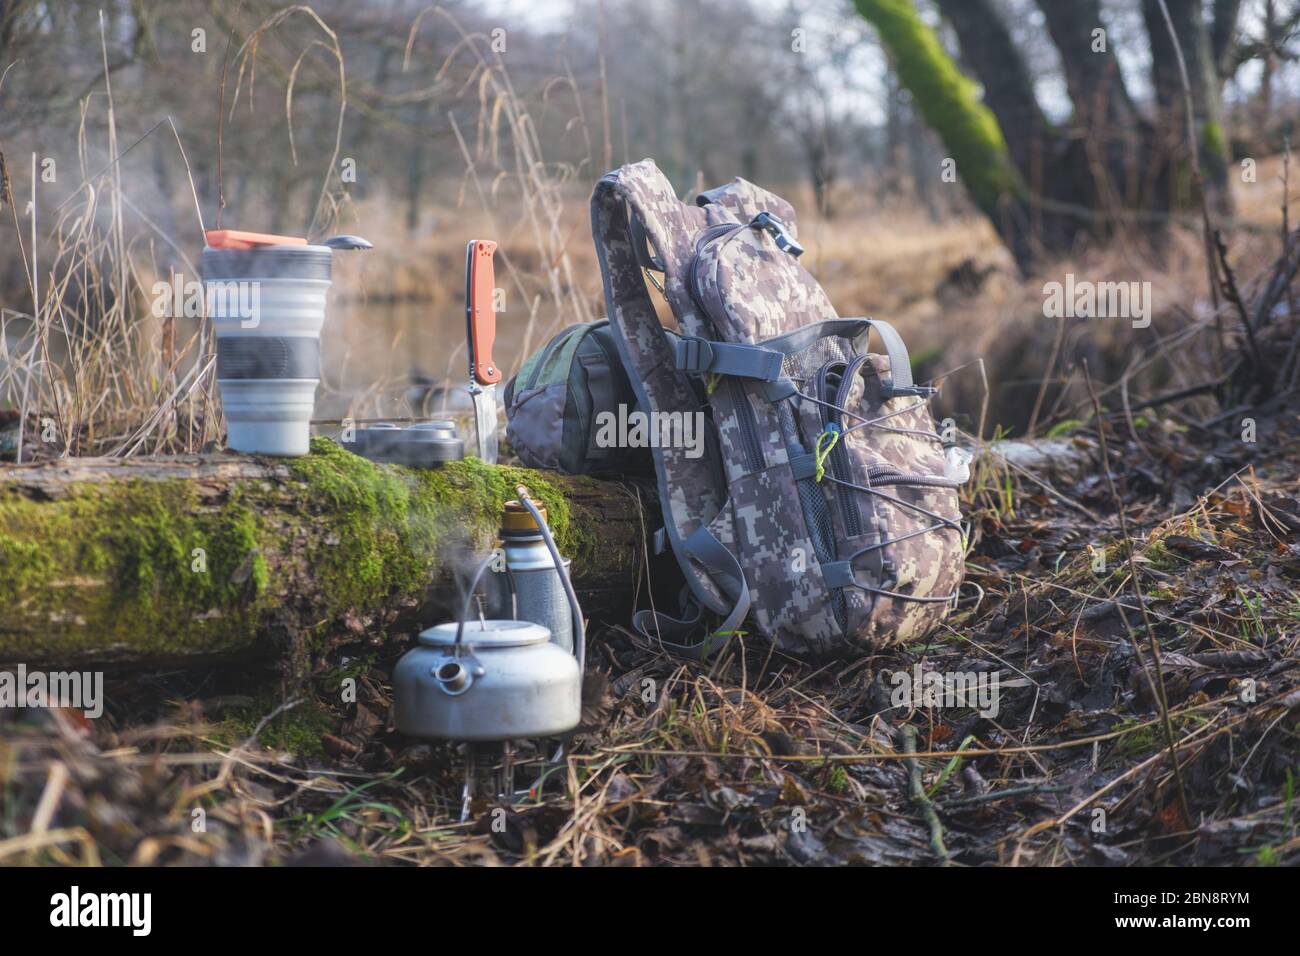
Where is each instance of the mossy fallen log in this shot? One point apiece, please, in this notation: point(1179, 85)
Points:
point(214, 557)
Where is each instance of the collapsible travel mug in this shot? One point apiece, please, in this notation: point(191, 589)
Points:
point(266, 299)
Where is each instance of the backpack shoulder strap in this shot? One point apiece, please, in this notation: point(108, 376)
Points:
point(692, 490)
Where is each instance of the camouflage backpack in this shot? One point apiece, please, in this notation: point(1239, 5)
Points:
point(820, 510)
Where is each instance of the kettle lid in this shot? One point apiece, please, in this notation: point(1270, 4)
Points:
point(487, 634)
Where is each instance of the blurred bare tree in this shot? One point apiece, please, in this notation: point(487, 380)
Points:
point(1076, 127)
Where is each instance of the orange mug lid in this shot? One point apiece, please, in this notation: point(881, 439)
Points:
point(235, 239)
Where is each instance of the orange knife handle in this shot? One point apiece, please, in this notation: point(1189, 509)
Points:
point(482, 316)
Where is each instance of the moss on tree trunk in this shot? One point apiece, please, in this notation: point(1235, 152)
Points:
point(950, 104)
point(186, 558)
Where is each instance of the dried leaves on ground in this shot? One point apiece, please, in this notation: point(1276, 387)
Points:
point(761, 759)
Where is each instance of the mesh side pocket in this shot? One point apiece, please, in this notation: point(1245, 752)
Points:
point(816, 512)
point(801, 366)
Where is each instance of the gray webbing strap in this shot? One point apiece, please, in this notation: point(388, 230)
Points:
point(900, 364)
point(728, 358)
point(600, 388)
point(800, 339)
point(726, 570)
point(762, 360)
point(837, 574)
point(803, 466)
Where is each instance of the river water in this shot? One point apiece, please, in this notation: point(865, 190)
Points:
point(404, 359)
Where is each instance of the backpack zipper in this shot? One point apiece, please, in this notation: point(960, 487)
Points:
point(841, 466)
point(693, 272)
point(748, 426)
point(721, 233)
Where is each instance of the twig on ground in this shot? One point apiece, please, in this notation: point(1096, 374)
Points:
point(916, 790)
point(1004, 794)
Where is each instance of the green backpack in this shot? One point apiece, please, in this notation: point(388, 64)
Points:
point(556, 403)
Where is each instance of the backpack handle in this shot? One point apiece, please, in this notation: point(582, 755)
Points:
point(859, 330)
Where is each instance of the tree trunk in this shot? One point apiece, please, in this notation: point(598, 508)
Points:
point(969, 130)
point(1042, 186)
point(1051, 167)
point(988, 50)
point(221, 556)
point(1110, 136)
point(1264, 105)
point(1223, 34)
point(1193, 36)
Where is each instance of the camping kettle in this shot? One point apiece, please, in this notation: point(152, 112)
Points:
point(496, 680)
point(487, 681)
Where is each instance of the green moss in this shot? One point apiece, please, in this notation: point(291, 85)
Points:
point(839, 780)
point(1138, 741)
point(1161, 558)
point(1213, 141)
point(390, 524)
point(21, 564)
point(120, 564)
point(1266, 856)
point(374, 547)
point(144, 560)
point(1063, 428)
point(297, 730)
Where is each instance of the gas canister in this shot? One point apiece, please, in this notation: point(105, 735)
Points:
point(525, 584)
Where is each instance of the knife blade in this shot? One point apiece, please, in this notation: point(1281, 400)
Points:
point(480, 332)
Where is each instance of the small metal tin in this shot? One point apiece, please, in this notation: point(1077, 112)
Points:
point(423, 445)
